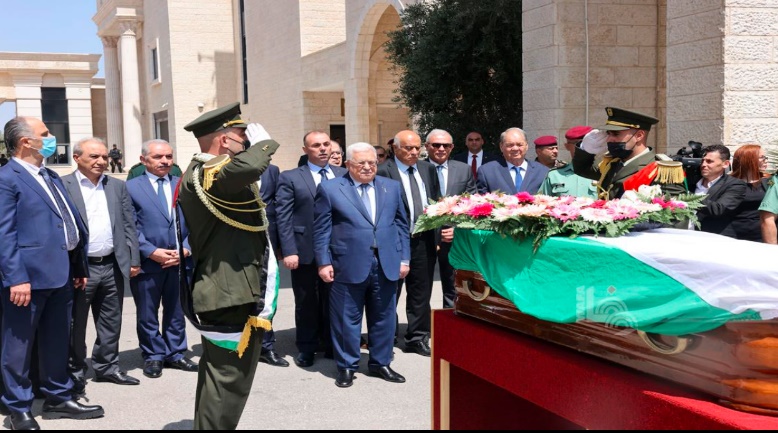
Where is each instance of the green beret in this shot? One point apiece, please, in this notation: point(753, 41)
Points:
point(216, 120)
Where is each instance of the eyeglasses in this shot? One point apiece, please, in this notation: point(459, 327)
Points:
point(381, 155)
point(764, 158)
point(364, 163)
point(336, 153)
point(439, 145)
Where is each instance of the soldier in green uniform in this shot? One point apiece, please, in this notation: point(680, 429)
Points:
point(562, 180)
point(226, 219)
point(624, 137)
point(768, 210)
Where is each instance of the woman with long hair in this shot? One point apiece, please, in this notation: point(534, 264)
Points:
point(749, 163)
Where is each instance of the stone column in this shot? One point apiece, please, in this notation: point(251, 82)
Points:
point(113, 97)
point(131, 120)
point(27, 88)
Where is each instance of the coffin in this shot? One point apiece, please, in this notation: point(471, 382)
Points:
point(736, 362)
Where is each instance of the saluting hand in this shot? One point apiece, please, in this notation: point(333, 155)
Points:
point(256, 133)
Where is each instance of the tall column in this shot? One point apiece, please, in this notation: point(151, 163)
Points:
point(113, 97)
point(133, 136)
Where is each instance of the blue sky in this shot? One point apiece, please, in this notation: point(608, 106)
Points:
point(48, 26)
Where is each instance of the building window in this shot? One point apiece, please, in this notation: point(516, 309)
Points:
point(54, 113)
point(154, 64)
point(161, 126)
point(243, 53)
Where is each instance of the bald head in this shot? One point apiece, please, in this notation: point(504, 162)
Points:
point(407, 147)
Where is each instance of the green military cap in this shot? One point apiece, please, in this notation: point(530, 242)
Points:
point(620, 119)
point(216, 120)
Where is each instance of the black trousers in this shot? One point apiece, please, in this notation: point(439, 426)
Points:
point(311, 309)
point(418, 284)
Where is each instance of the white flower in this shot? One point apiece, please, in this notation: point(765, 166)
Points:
point(596, 215)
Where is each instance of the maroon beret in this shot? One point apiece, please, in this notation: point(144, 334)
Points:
point(577, 132)
point(545, 140)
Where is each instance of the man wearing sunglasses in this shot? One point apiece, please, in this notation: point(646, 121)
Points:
point(455, 178)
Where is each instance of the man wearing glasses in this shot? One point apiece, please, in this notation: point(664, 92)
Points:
point(454, 178)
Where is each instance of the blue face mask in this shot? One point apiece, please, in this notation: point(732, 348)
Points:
point(49, 146)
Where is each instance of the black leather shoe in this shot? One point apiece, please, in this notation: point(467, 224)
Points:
point(387, 374)
point(270, 357)
point(152, 369)
point(118, 377)
point(182, 364)
point(23, 421)
point(4, 411)
point(420, 347)
point(79, 387)
point(71, 409)
point(345, 378)
point(304, 359)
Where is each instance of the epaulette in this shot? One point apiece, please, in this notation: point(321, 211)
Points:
point(211, 168)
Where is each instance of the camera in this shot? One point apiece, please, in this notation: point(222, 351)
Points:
point(691, 159)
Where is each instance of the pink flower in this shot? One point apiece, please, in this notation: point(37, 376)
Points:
point(598, 204)
point(674, 204)
point(661, 201)
point(565, 212)
point(623, 209)
point(531, 210)
point(481, 210)
point(525, 197)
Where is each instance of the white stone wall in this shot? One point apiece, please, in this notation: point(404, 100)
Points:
point(157, 94)
point(322, 24)
point(695, 72)
point(202, 65)
point(321, 109)
point(99, 119)
point(750, 52)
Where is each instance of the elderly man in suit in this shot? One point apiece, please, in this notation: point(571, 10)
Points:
point(454, 178)
point(113, 258)
point(475, 156)
point(362, 248)
point(42, 259)
point(294, 210)
point(158, 282)
point(513, 174)
point(419, 181)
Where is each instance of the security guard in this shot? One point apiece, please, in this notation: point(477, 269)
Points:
point(624, 137)
point(563, 180)
point(227, 223)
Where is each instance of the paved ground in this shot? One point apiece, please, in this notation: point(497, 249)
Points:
point(288, 398)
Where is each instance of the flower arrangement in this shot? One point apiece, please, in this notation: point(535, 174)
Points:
point(524, 215)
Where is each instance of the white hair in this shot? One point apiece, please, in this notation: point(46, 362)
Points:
point(435, 132)
point(359, 147)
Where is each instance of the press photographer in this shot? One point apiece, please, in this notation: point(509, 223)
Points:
point(692, 160)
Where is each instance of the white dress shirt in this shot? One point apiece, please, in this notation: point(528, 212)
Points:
point(97, 216)
point(522, 169)
point(407, 187)
point(315, 169)
point(165, 184)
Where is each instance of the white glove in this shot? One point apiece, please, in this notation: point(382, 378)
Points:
point(256, 133)
point(595, 142)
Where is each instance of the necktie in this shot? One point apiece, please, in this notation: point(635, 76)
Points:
point(323, 174)
point(161, 195)
point(474, 166)
point(70, 226)
point(366, 199)
point(442, 181)
point(415, 195)
point(518, 178)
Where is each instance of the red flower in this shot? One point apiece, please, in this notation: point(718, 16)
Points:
point(661, 201)
point(599, 204)
point(525, 197)
point(481, 210)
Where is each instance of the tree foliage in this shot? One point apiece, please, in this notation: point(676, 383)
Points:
point(459, 66)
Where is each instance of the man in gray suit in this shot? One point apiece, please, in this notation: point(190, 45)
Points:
point(455, 178)
point(113, 258)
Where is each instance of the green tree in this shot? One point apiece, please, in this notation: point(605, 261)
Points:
point(458, 64)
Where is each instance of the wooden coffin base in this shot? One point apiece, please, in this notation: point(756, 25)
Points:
point(736, 363)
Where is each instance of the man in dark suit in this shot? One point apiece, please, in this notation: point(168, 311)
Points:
point(724, 192)
point(268, 183)
point(113, 258)
point(513, 174)
point(158, 281)
point(228, 246)
point(294, 209)
point(361, 245)
point(454, 178)
point(42, 260)
point(419, 185)
point(475, 157)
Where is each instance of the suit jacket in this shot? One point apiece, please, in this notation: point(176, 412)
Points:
point(267, 190)
point(467, 158)
point(428, 175)
point(460, 179)
point(125, 236)
point(344, 231)
point(228, 260)
point(722, 202)
point(156, 225)
point(495, 176)
point(294, 210)
point(32, 243)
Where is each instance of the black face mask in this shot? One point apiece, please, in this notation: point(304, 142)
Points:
point(619, 150)
point(245, 143)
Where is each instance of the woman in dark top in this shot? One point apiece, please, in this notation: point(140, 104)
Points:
point(749, 163)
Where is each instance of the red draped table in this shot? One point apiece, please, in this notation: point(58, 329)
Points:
point(488, 377)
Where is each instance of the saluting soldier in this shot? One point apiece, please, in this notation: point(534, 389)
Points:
point(624, 137)
point(226, 218)
point(563, 180)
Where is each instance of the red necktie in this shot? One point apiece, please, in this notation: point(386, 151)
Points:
point(474, 166)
